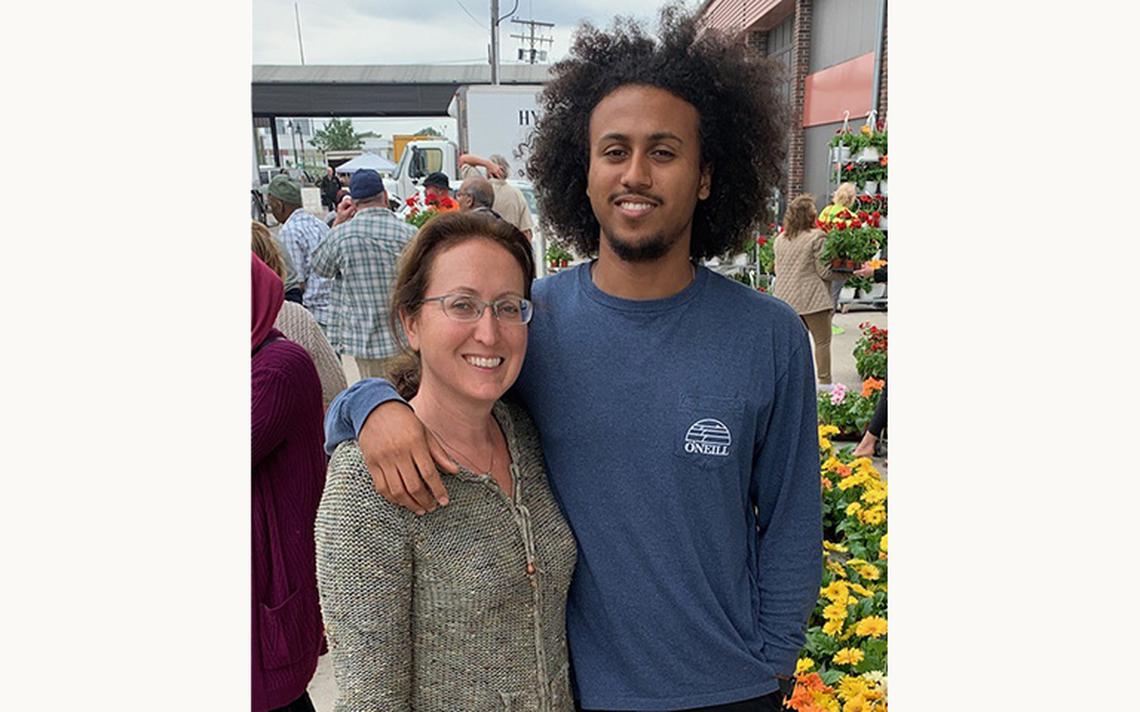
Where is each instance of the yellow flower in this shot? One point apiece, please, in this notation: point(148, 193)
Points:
point(803, 665)
point(873, 626)
point(866, 130)
point(853, 508)
point(832, 627)
point(870, 572)
point(835, 568)
point(874, 516)
point(833, 547)
point(874, 495)
point(836, 611)
point(825, 430)
point(855, 562)
point(857, 704)
point(848, 656)
point(837, 591)
point(852, 481)
point(850, 687)
point(883, 544)
point(851, 600)
point(861, 590)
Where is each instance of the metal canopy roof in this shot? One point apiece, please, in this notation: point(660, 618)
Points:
point(373, 90)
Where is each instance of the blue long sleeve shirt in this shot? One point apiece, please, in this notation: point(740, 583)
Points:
point(680, 435)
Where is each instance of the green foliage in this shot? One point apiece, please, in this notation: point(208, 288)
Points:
point(851, 414)
point(337, 135)
point(429, 131)
point(556, 251)
point(871, 352)
point(845, 242)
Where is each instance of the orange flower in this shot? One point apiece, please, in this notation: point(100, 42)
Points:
point(883, 161)
point(842, 470)
point(871, 385)
point(825, 483)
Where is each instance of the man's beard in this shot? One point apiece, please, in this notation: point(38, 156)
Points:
point(652, 248)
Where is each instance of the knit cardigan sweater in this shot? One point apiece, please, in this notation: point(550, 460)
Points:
point(460, 609)
point(301, 327)
point(288, 468)
point(801, 279)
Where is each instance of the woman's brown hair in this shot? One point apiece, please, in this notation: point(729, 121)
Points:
point(438, 234)
point(265, 247)
point(800, 216)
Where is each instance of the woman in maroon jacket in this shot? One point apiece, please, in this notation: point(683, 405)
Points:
point(288, 474)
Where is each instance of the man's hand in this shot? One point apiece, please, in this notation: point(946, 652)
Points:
point(401, 455)
point(344, 211)
point(494, 171)
point(865, 271)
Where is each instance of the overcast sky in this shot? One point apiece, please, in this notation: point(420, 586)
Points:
point(417, 32)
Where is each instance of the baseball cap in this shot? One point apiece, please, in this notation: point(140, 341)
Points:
point(285, 189)
point(365, 184)
point(437, 180)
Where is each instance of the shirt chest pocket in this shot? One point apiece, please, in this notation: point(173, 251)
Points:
point(708, 430)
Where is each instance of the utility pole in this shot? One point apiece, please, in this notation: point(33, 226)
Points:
point(495, 42)
point(532, 39)
point(297, 13)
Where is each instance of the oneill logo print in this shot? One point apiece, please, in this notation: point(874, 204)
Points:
point(708, 437)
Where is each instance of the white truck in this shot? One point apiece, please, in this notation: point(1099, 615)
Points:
point(492, 119)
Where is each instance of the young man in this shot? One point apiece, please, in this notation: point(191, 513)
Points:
point(676, 407)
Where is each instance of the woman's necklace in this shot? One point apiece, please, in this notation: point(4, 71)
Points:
point(470, 462)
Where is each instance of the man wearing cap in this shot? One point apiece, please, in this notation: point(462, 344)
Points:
point(300, 233)
point(510, 203)
point(360, 257)
point(437, 186)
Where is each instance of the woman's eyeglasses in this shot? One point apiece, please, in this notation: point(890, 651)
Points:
point(463, 307)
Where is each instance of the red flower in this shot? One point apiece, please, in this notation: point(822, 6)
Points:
point(761, 240)
point(863, 215)
point(410, 201)
point(856, 223)
point(840, 225)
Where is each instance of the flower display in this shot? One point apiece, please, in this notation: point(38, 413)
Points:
point(851, 237)
point(844, 663)
point(848, 411)
point(871, 352)
point(419, 213)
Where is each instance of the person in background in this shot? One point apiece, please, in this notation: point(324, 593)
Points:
point(437, 188)
point(476, 195)
point(509, 201)
point(329, 186)
point(298, 324)
point(841, 201)
point(300, 234)
point(287, 477)
point(803, 281)
point(463, 609)
point(335, 217)
point(360, 257)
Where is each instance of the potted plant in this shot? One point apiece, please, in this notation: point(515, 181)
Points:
point(558, 255)
point(419, 213)
point(883, 180)
point(842, 145)
point(851, 241)
point(871, 351)
point(867, 148)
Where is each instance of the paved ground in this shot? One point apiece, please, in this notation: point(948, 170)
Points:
point(323, 687)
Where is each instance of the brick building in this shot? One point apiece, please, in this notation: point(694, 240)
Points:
point(835, 52)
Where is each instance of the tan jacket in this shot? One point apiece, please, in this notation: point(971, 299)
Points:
point(801, 279)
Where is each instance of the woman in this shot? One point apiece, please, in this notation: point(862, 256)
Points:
point(297, 323)
point(288, 473)
point(841, 203)
point(462, 608)
point(802, 279)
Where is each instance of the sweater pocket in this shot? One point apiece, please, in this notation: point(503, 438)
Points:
point(288, 631)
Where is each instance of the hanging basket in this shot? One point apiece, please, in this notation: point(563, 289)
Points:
point(883, 187)
point(841, 153)
point(871, 188)
point(868, 154)
point(883, 223)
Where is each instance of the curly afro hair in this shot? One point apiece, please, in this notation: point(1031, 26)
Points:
point(743, 123)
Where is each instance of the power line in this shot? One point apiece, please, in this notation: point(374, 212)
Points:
point(476, 20)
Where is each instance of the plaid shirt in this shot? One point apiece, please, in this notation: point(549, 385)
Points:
point(300, 235)
point(360, 256)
